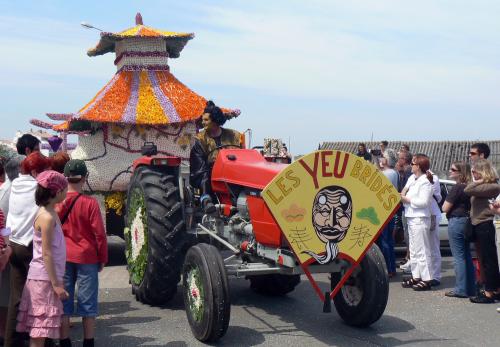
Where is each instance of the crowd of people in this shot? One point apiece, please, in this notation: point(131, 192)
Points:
point(52, 241)
point(470, 207)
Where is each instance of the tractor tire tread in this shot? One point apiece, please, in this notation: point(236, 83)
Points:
point(166, 241)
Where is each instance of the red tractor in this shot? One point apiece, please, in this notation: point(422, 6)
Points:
point(168, 237)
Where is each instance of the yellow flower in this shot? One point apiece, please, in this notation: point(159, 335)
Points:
point(116, 130)
point(115, 201)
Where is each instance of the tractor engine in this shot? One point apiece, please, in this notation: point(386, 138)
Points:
point(239, 228)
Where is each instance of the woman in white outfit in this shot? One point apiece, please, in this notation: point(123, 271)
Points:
point(417, 197)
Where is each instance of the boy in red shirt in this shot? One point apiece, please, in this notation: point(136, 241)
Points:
point(86, 249)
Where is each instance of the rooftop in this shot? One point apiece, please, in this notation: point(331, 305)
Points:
point(441, 153)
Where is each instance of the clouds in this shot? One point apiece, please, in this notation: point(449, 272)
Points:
point(375, 54)
point(44, 47)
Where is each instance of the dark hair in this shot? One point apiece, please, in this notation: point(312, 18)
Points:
point(463, 171)
point(385, 143)
point(215, 113)
point(26, 141)
point(362, 144)
point(44, 195)
point(405, 146)
point(482, 148)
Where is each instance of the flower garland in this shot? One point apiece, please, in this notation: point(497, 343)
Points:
point(144, 68)
point(136, 238)
point(196, 294)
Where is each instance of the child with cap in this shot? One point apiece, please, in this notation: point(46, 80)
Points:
point(87, 252)
point(41, 308)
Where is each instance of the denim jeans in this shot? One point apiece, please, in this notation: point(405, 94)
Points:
point(386, 244)
point(464, 269)
point(86, 279)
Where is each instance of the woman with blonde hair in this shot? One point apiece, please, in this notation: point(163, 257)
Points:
point(484, 188)
point(457, 207)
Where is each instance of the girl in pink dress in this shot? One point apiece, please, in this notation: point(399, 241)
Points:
point(41, 307)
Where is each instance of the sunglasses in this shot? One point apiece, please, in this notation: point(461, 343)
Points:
point(473, 153)
point(453, 169)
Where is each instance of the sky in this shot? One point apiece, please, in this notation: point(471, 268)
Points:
point(303, 71)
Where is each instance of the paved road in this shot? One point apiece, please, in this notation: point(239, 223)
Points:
point(411, 319)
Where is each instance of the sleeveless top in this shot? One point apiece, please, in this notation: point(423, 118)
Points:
point(37, 269)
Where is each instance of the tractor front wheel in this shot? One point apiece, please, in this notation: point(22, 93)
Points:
point(206, 292)
point(362, 299)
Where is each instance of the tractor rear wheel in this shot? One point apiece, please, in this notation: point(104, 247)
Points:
point(154, 234)
point(274, 284)
point(362, 299)
point(206, 292)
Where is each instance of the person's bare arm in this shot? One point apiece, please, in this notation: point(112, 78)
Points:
point(447, 206)
point(45, 224)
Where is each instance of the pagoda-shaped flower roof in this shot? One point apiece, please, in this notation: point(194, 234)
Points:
point(143, 98)
point(143, 91)
point(174, 41)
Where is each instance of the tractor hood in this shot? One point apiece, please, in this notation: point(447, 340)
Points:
point(244, 167)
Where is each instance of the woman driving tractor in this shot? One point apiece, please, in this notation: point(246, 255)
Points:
point(205, 150)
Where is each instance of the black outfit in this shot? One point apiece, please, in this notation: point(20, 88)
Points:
point(19, 265)
point(459, 200)
point(204, 153)
point(200, 168)
point(365, 156)
point(485, 235)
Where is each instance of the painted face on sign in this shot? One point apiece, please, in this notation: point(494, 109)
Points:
point(332, 213)
point(331, 218)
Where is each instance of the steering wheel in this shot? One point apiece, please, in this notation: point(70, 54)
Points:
point(222, 146)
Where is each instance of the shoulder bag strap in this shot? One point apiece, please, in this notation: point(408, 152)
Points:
point(63, 220)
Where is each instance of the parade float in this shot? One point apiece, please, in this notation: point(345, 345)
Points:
point(143, 102)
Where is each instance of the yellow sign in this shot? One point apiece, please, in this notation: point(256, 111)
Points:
point(331, 204)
